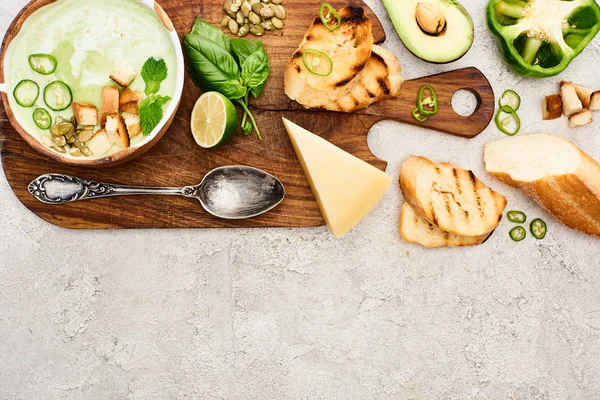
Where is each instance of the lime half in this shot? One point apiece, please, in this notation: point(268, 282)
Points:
point(214, 120)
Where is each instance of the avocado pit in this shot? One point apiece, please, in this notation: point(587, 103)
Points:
point(430, 17)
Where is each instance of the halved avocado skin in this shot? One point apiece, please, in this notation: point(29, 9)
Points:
point(389, 4)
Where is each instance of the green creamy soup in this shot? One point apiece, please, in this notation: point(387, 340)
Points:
point(87, 38)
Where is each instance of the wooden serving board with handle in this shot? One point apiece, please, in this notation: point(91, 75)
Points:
point(177, 161)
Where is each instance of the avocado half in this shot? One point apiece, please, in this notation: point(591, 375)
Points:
point(454, 34)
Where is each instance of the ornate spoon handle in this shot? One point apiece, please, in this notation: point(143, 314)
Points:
point(61, 189)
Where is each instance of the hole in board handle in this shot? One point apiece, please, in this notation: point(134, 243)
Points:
point(465, 102)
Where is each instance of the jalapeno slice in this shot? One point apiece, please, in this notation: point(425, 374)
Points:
point(327, 14)
point(431, 101)
point(518, 233)
point(315, 62)
point(416, 113)
point(42, 118)
point(58, 96)
point(44, 64)
point(538, 228)
point(501, 122)
point(518, 217)
point(511, 99)
point(26, 93)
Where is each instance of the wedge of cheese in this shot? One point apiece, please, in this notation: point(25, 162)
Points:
point(345, 187)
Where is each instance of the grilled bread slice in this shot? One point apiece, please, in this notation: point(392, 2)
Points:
point(449, 197)
point(553, 172)
point(380, 79)
point(348, 47)
point(416, 229)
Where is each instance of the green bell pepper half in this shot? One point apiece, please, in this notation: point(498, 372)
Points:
point(540, 38)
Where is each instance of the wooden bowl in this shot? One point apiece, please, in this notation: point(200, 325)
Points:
point(117, 157)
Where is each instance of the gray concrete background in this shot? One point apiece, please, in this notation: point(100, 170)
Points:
point(297, 314)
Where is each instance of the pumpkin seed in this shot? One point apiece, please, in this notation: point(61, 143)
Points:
point(277, 1)
point(257, 30)
point(85, 135)
point(246, 8)
point(234, 8)
point(239, 18)
point(267, 25)
point(267, 12)
point(71, 139)
point(75, 152)
point(54, 131)
point(277, 23)
point(244, 29)
point(225, 21)
point(283, 13)
point(86, 151)
point(46, 141)
point(266, 1)
point(253, 18)
point(256, 7)
point(233, 27)
point(60, 149)
point(60, 141)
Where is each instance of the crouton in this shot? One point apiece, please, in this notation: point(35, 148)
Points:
point(132, 122)
point(123, 75)
point(553, 107)
point(584, 94)
point(100, 143)
point(595, 102)
point(110, 103)
point(570, 100)
point(85, 114)
point(130, 108)
point(117, 131)
point(128, 95)
point(580, 119)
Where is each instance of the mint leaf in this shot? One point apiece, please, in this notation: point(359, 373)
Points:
point(151, 112)
point(154, 72)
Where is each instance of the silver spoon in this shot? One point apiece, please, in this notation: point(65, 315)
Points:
point(230, 192)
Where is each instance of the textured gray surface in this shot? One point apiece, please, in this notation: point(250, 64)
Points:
point(291, 314)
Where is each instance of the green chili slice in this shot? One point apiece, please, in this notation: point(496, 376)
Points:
point(511, 99)
point(416, 113)
point(327, 13)
point(518, 217)
point(538, 228)
point(44, 64)
point(518, 233)
point(434, 102)
point(501, 123)
point(42, 118)
point(318, 55)
point(26, 93)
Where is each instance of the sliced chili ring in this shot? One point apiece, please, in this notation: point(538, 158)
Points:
point(538, 228)
point(517, 217)
point(500, 121)
point(44, 64)
point(311, 66)
point(513, 100)
point(416, 113)
point(434, 101)
point(26, 93)
point(518, 233)
point(42, 118)
point(326, 12)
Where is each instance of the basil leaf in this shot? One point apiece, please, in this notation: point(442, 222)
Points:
point(244, 48)
point(256, 69)
point(233, 90)
point(210, 65)
point(257, 90)
point(208, 31)
point(247, 128)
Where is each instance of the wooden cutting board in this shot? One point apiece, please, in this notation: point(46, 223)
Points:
point(177, 161)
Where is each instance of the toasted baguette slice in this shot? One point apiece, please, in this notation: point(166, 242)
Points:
point(581, 118)
point(595, 102)
point(415, 229)
point(570, 100)
point(380, 79)
point(349, 49)
point(123, 75)
point(85, 114)
point(132, 122)
point(449, 197)
point(117, 131)
point(110, 103)
point(552, 171)
point(553, 107)
point(100, 143)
